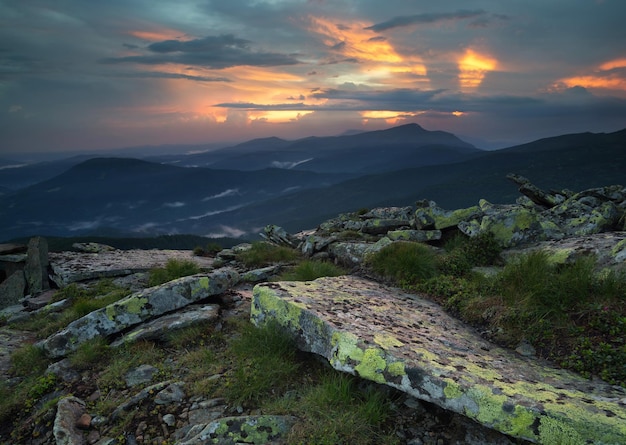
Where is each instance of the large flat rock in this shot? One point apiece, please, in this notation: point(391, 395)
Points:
point(409, 343)
point(69, 267)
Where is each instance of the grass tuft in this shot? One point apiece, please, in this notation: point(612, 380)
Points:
point(263, 253)
point(173, 269)
point(308, 270)
point(405, 262)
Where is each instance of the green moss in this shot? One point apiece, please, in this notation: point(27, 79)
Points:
point(387, 341)
point(559, 256)
point(131, 305)
point(372, 366)
point(199, 286)
point(452, 391)
point(554, 432)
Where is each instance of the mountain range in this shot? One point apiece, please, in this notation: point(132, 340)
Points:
point(297, 184)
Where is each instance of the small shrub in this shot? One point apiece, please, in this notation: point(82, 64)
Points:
point(263, 253)
point(308, 270)
point(95, 351)
point(173, 269)
point(405, 262)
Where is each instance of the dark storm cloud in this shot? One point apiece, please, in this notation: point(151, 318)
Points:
point(212, 51)
point(420, 19)
point(160, 75)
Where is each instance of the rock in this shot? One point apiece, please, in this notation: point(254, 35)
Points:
point(414, 235)
point(137, 308)
point(138, 398)
point(444, 219)
point(173, 393)
point(313, 244)
point(262, 274)
point(355, 254)
point(169, 419)
point(258, 430)
point(71, 267)
point(411, 344)
point(397, 213)
point(69, 412)
point(40, 301)
point(382, 226)
point(11, 248)
point(159, 328)
point(140, 375)
point(64, 371)
point(36, 268)
point(279, 236)
point(12, 289)
point(534, 193)
point(92, 247)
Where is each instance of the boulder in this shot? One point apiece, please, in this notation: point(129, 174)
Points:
point(354, 254)
point(379, 226)
point(434, 217)
point(12, 289)
point(414, 235)
point(36, 268)
point(409, 343)
point(138, 308)
point(66, 430)
point(259, 430)
point(279, 236)
point(159, 328)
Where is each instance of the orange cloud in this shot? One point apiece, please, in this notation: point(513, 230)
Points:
point(603, 77)
point(379, 59)
point(473, 67)
point(156, 35)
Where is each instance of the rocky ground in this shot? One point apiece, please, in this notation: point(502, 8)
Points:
point(164, 414)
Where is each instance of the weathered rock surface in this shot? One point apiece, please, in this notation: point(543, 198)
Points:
point(12, 289)
point(36, 268)
point(259, 430)
point(70, 267)
point(69, 412)
point(138, 308)
point(409, 343)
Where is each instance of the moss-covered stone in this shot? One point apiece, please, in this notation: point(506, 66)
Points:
point(410, 344)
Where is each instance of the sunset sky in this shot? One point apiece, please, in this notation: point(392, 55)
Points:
point(95, 74)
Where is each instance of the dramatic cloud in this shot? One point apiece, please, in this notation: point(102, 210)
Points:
point(420, 19)
point(77, 75)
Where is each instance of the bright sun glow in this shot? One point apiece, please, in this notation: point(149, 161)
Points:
point(378, 58)
point(473, 67)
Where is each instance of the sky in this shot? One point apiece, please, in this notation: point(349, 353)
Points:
point(93, 74)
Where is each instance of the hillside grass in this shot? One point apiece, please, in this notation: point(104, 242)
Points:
point(571, 314)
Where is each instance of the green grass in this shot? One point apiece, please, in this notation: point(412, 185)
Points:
point(308, 270)
point(265, 362)
point(264, 254)
point(173, 269)
point(405, 262)
point(82, 302)
point(571, 314)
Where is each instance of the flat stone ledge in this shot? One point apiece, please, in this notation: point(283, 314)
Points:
point(409, 343)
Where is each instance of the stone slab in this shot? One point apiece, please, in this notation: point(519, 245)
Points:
point(407, 342)
point(70, 267)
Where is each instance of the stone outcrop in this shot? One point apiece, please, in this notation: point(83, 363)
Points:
point(537, 216)
point(138, 308)
point(411, 344)
point(67, 421)
point(23, 270)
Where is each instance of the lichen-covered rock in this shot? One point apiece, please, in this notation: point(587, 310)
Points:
point(381, 226)
point(443, 219)
point(258, 430)
point(354, 254)
point(69, 410)
point(414, 235)
point(313, 244)
point(159, 328)
point(278, 235)
point(399, 213)
point(138, 308)
point(411, 344)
